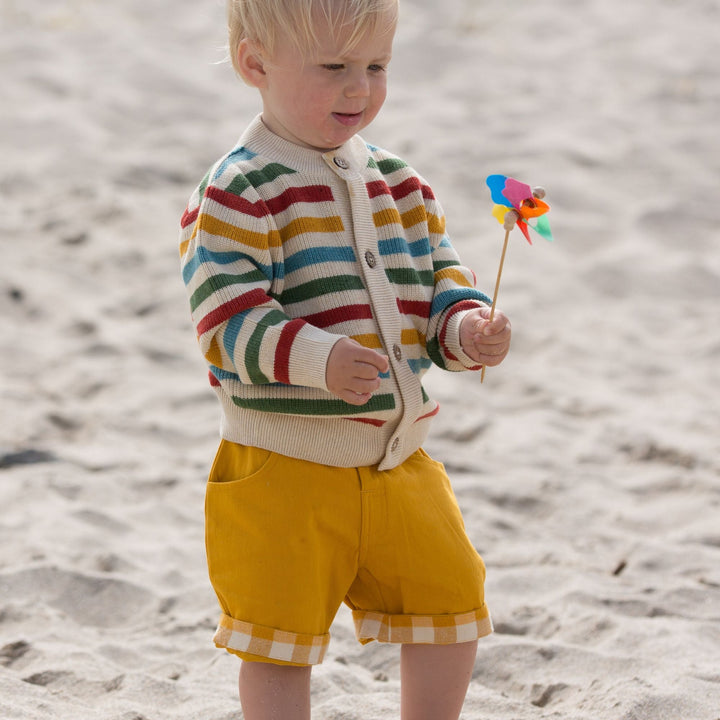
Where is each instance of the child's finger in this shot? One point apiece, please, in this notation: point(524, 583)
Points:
point(496, 325)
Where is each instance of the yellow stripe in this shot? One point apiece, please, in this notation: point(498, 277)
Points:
point(452, 274)
point(183, 247)
point(414, 216)
point(410, 336)
point(312, 225)
point(213, 355)
point(213, 226)
point(387, 216)
point(436, 224)
point(369, 340)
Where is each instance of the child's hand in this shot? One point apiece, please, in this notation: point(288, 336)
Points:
point(353, 371)
point(487, 343)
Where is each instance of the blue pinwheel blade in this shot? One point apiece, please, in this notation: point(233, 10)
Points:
point(496, 183)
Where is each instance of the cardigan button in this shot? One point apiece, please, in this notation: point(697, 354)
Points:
point(395, 444)
point(397, 352)
point(342, 163)
point(370, 259)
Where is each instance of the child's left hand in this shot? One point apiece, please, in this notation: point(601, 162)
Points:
point(487, 343)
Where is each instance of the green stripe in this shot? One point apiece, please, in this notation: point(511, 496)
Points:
point(238, 185)
point(323, 286)
point(442, 264)
point(252, 350)
point(223, 280)
point(410, 276)
point(296, 406)
point(203, 185)
point(270, 172)
point(390, 165)
point(432, 346)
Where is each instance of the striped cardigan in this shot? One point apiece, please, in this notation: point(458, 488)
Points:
point(284, 251)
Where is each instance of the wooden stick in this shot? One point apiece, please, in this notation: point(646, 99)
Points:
point(497, 287)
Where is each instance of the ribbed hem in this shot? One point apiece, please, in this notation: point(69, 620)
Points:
point(337, 441)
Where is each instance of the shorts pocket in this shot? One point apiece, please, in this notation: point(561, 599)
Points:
point(238, 463)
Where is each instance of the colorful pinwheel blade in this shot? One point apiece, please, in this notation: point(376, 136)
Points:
point(516, 192)
point(524, 230)
point(499, 212)
point(496, 183)
point(542, 228)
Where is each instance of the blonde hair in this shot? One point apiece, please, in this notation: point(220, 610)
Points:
point(266, 22)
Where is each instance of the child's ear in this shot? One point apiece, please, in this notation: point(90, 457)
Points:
point(251, 64)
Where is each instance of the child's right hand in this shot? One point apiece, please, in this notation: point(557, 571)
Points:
point(352, 372)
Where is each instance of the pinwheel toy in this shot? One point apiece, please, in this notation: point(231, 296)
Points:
point(516, 204)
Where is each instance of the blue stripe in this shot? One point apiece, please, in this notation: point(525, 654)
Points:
point(241, 153)
point(419, 365)
point(221, 374)
point(317, 256)
point(450, 297)
point(232, 329)
point(398, 245)
point(203, 255)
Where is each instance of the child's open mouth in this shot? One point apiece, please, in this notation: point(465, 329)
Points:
point(348, 118)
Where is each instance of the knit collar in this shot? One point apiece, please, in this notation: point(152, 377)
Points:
point(258, 139)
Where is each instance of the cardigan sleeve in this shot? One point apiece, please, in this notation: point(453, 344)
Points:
point(228, 244)
point(454, 295)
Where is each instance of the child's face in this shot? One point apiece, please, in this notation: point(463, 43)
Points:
point(321, 100)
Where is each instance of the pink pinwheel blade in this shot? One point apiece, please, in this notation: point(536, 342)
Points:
point(516, 192)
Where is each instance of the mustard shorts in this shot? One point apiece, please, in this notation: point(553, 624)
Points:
point(289, 540)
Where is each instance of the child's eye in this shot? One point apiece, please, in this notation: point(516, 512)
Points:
point(376, 68)
point(333, 66)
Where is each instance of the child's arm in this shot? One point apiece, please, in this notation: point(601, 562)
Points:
point(227, 250)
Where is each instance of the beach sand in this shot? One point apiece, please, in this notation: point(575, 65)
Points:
point(587, 466)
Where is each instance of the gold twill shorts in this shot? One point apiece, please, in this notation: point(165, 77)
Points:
point(288, 540)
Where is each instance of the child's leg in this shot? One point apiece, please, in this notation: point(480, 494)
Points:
point(274, 692)
point(435, 679)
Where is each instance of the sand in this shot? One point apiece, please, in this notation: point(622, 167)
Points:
point(587, 465)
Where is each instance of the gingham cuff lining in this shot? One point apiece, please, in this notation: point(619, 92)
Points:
point(428, 629)
point(244, 637)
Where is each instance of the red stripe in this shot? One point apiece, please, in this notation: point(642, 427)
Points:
point(427, 192)
point(414, 307)
point(456, 308)
point(399, 191)
point(213, 380)
point(368, 421)
point(237, 305)
point(189, 217)
point(282, 352)
point(430, 414)
point(235, 202)
point(305, 194)
point(340, 314)
point(376, 188)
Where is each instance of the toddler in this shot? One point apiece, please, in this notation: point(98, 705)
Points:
point(322, 287)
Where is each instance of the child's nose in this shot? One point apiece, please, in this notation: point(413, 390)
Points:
point(358, 85)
